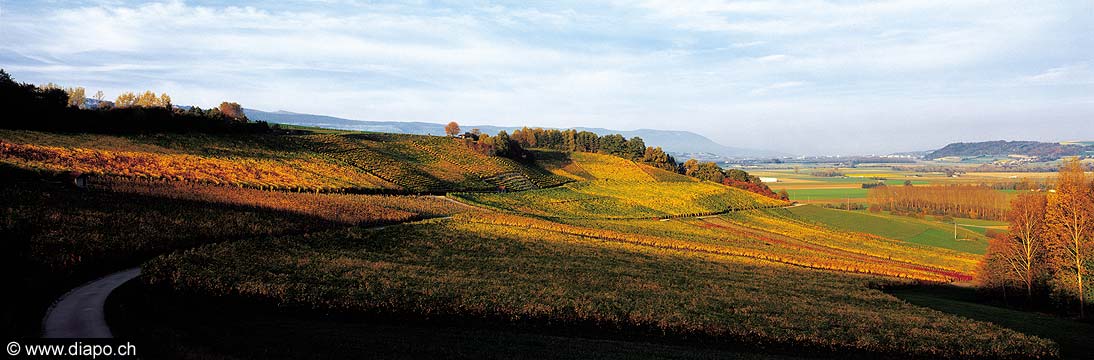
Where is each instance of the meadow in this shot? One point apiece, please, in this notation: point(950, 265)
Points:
point(970, 234)
point(803, 186)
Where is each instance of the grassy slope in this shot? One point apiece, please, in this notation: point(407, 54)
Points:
point(918, 231)
point(517, 275)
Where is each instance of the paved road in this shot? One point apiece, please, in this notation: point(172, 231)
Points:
point(79, 313)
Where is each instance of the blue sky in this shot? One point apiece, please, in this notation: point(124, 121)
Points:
point(806, 77)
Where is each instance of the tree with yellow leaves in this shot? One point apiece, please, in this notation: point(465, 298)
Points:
point(1070, 220)
point(125, 99)
point(76, 97)
point(165, 100)
point(148, 99)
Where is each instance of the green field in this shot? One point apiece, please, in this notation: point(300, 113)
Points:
point(826, 194)
point(920, 231)
point(804, 187)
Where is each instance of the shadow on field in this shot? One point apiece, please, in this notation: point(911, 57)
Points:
point(55, 236)
point(1076, 339)
point(166, 326)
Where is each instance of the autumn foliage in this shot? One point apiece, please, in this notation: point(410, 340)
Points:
point(1070, 227)
point(53, 108)
point(1051, 240)
point(969, 201)
point(373, 163)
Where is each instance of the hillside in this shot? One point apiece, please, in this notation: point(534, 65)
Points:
point(586, 246)
point(618, 195)
point(1002, 148)
point(616, 254)
point(311, 161)
point(673, 141)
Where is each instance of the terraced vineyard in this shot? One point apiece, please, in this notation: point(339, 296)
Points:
point(722, 235)
point(318, 162)
point(613, 199)
point(634, 191)
point(592, 166)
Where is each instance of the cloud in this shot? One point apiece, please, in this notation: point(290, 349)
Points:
point(1068, 74)
point(777, 86)
point(743, 72)
point(748, 44)
point(772, 58)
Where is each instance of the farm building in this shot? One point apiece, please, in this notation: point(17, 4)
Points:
point(769, 179)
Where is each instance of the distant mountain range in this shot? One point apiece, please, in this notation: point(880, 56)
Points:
point(1001, 148)
point(683, 143)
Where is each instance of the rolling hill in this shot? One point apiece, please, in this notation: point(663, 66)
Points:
point(312, 161)
point(593, 244)
point(1003, 148)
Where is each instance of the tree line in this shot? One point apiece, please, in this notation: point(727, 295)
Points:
point(1050, 244)
point(55, 108)
point(737, 178)
point(513, 146)
point(971, 201)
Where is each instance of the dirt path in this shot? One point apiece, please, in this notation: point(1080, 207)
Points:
point(79, 313)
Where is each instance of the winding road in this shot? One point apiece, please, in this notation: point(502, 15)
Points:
point(79, 313)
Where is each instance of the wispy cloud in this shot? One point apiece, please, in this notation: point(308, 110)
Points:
point(1068, 74)
point(725, 66)
point(772, 58)
point(777, 86)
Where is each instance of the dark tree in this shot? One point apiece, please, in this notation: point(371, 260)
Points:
point(634, 148)
point(613, 144)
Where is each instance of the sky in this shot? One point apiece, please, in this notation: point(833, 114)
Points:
point(802, 77)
